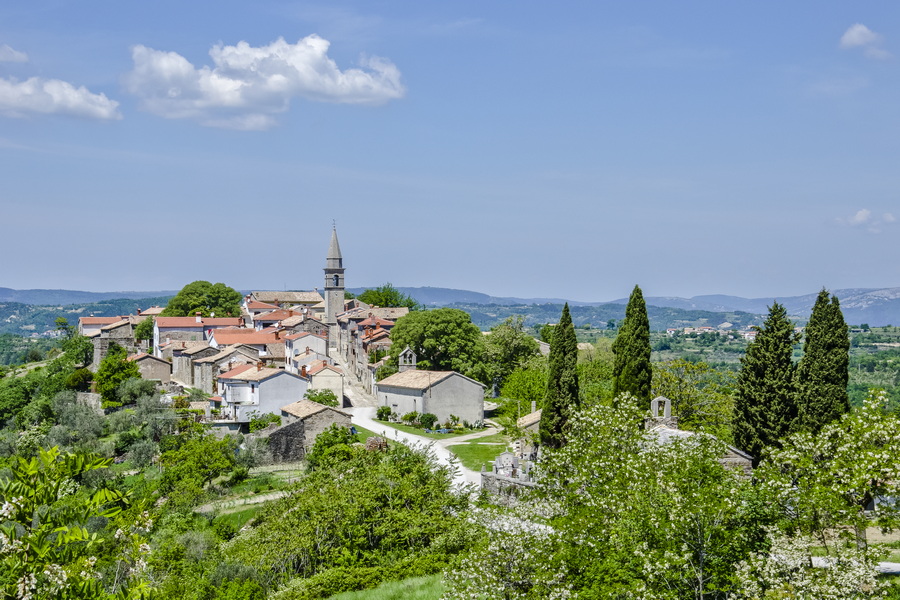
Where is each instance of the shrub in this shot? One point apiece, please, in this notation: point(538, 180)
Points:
point(383, 413)
point(428, 420)
point(331, 582)
point(411, 418)
point(258, 421)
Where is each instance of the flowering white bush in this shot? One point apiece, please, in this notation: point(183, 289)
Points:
point(789, 570)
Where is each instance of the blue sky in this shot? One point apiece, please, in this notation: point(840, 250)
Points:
point(512, 148)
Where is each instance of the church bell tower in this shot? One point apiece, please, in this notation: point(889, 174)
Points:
point(334, 285)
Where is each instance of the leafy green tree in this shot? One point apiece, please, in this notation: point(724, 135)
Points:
point(195, 462)
point(47, 549)
point(79, 350)
point(444, 339)
point(523, 386)
point(144, 329)
point(387, 295)
point(562, 398)
point(632, 370)
point(702, 397)
point(765, 408)
point(206, 298)
point(825, 482)
point(508, 347)
point(114, 369)
point(823, 372)
point(368, 509)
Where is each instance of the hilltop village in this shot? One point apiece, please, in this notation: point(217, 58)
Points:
point(298, 444)
point(283, 345)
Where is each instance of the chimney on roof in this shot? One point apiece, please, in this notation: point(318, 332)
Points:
point(307, 349)
point(197, 317)
point(259, 365)
point(139, 311)
point(303, 371)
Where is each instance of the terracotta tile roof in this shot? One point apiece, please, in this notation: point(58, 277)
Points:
point(236, 371)
point(302, 334)
point(225, 337)
point(415, 379)
point(275, 350)
point(153, 311)
point(275, 315)
point(304, 408)
point(245, 351)
point(191, 322)
point(288, 297)
point(137, 356)
point(257, 305)
point(252, 373)
point(98, 320)
point(145, 356)
point(529, 419)
point(321, 366)
point(115, 325)
point(197, 347)
point(376, 321)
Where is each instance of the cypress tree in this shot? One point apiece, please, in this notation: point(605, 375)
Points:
point(823, 372)
point(562, 383)
point(631, 367)
point(765, 408)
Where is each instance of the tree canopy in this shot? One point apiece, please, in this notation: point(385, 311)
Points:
point(443, 339)
point(508, 348)
point(823, 372)
point(206, 298)
point(632, 370)
point(562, 398)
point(387, 295)
point(765, 402)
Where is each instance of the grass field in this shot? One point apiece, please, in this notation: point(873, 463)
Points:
point(479, 452)
point(417, 588)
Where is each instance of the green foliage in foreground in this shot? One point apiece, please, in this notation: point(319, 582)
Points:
point(393, 511)
point(46, 549)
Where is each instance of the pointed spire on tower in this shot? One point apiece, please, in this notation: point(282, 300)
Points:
point(334, 250)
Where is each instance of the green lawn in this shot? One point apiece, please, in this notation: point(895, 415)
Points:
point(473, 455)
point(416, 588)
point(433, 436)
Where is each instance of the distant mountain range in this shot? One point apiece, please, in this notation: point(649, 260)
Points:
point(874, 306)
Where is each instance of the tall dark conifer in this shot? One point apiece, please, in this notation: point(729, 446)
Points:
point(823, 372)
point(631, 368)
point(562, 383)
point(765, 407)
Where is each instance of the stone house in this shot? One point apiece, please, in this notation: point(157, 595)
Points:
point(323, 376)
point(252, 388)
point(90, 326)
point(192, 329)
point(183, 361)
point(208, 369)
point(301, 423)
point(442, 393)
point(120, 332)
point(152, 367)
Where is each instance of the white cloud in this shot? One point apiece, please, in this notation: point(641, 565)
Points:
point(7, 54)
point(37, 95)
point(861, 216)
point(248, 85)
point(865, 218)
point(860, 36)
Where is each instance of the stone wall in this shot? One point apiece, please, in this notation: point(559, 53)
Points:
point(505, 490)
